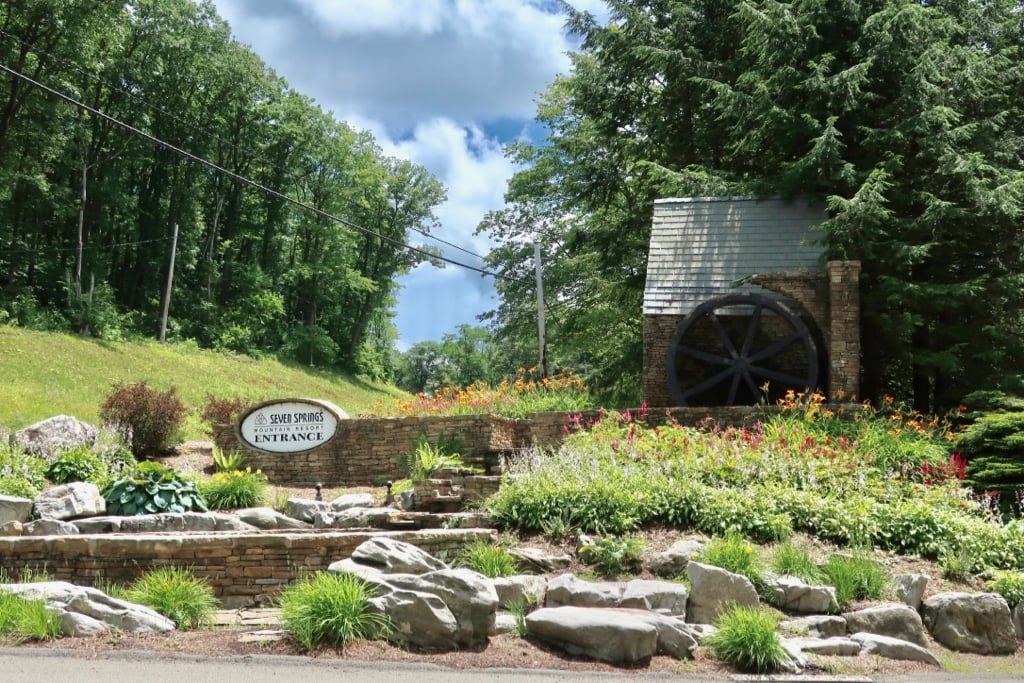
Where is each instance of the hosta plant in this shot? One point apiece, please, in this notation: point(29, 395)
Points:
point(150, 489)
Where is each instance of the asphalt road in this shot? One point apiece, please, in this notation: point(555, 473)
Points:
point(57, 666)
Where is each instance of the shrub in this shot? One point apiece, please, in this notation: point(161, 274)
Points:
point(424, 459)
point(994, 447)
point(150, 489)
point(330, 608)
point(736, 554)
point(146, 418)
point(227, 462)
point(177, 594)
point(235, 489)
point(746, 639)
point(613, 555)
point(793, 560)
point(21, 474)
point(79, 464)
point(23, 618)
point(222, 411)
point(490, 560)
point(855, 577)
point(1009, 584)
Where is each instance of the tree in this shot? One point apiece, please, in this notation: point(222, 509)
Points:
point(903, 115)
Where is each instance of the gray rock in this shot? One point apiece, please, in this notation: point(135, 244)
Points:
point(304, 509)
point(13, 509)
point(393, 556)
point(672, 562)
point(619, 636)
point(406, 500)
point(183, 521)
point(1018, 619)
point(713, 589)
point(75, 625)
point(971, 622)
point(505, 622)
point(96, 606)
point(895, 621)
point(568, 590)
point(663, 597)
point(817, 626)
point(910, 588)
point(796, 596)
point(69, 501)
point(352, 500)
point(11, 529)
point(269, 518)
point(794, 661)
point(419, 619)
point(893, 648)
point(528, 589)
point(103, 524)
point(839, 647)
point(352, 518)
point(49, 527)
point(538, 561)
point(469, 596)
point(50, 437)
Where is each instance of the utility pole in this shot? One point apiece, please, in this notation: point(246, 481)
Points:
point(542, 340)
point(170, 283)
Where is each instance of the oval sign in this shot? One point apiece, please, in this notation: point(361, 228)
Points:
point(289, 426)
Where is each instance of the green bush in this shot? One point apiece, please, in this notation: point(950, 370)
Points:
point(79, 464)
point(229, 461)
point(23, 619)
point(176, 593)
point(425, 458)
point(1009, 584)
point(994, 448)
point(21, 474)
point(330, 609)
point(150, 489)
point(855, 577)
point(491, 560)
point(234, 489)
point(147, 419)
point(746, 639)
point(613, 555)
point(736, 554)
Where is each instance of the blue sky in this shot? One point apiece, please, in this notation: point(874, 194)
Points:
point(443, 83)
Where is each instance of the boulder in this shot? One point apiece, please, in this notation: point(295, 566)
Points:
point(11, 529)
point(352, 518)
point(182, 521)
point(49, 438)
point(419, 619)
point(568, 590)
point(971, 622)
point(537, 561)
point(269, 518)
point(527, 589)
point(663, 597)
point(895, 621)
point(85, 611)
point(910, 588)
point(672, 562)
point(393, 556)
point(304, 509)
point(469, 596)
point(893, 648)
point(14, 509)
point(793, 595)
point(618, 636)
point(352, 500)
point(816, 626)
point(713, 590)
point(504, 623)
point(49, 527)
point(838, 647)
point(77, 499)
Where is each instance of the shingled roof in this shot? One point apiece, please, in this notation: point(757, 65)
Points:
point(701, 245)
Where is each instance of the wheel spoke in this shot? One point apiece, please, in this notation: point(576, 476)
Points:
point(774, 347)
point(775, 375)
point(712, 358)
point(755, 325)
point(750, 383)
point(722, 334)
point(708, 383)
point(733, 387)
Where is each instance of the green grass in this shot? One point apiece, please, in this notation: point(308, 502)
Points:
point(330, 609)
point(855, 577)
point(488, 559)
point(791, 559)
point(177, 594)
point(47, 374)
point(23, 619)
point(746, 639)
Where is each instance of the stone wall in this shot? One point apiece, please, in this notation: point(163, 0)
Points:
point(243, 568)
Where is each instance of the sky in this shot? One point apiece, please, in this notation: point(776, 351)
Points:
point(442, 83)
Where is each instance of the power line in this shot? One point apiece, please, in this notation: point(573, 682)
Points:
point(84, 248)
point(242, 179)
point(213, 136)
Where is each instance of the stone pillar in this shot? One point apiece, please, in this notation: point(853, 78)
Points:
point(844, 327)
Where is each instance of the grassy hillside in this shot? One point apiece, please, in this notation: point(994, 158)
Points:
point(45, 374)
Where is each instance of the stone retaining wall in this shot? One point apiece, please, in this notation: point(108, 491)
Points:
point(244, 568)
point(372, 451)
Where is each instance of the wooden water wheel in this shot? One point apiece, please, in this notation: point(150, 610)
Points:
point(729, 349)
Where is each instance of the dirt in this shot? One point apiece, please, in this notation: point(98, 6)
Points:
point(503, 651)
